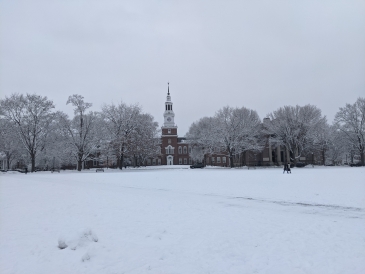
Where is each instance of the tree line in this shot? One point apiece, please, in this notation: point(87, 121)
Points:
point(301, 130)
point(33, 131)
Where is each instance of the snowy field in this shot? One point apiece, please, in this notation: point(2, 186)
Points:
point(179, 220)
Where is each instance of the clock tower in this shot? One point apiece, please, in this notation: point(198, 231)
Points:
point(169, 133)
point(169, 114)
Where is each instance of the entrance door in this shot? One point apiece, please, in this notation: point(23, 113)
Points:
point(170, 160)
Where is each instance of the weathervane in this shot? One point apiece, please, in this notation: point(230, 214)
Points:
point(168, 88)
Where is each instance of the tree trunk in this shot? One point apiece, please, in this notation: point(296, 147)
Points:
point(79, 164)
point(231, 159)
point(323, 157)
point(121, 161)
point(33, 162)
point(362, 157)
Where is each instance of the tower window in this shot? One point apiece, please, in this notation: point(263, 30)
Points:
point(169, 150)
point(185, 150)
point(169, 130)
point(180, 150)
point(169, 141)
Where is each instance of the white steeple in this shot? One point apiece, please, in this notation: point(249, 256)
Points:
point(169, 113)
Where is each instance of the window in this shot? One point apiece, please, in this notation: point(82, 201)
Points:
point(189, 149)
point(180, 150)
point(149, 162)
point(185, 150)
point(180, 161)
point(159, 161)
point(169, 141)
point(189, 161)
point(169, 131)
point(218, 160)
point(95, 162)
point(213, 160)
point(224, 160)
point(154, 161)
point(169, 150)
point(185, 161)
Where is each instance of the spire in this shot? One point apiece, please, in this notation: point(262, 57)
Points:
point(168, 88)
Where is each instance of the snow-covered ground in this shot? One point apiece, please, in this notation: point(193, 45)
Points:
point(177, 220)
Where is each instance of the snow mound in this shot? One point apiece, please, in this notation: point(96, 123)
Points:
point(81, 240)
point(61, 243)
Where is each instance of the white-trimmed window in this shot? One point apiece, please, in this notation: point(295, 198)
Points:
point(180, 161)
point(180, 150)
point(189, 161)
point(159, 161)
point(169, 141)
point(189, 149)
point(213, 160)
point(185, 161)
point(169, 150)
point(169, 131)
point(224, 160)
point(154, 161)
point(95, 163)
point(218, 160)
point(185, 150)
point(149, 162)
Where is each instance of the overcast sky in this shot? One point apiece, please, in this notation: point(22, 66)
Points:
point(257, 54)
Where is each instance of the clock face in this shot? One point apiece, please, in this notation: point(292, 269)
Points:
point(168, 119)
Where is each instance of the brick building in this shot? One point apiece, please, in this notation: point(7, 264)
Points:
point(174, 150)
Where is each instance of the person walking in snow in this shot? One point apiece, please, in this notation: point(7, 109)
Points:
point(288, 168)
point(285, 167)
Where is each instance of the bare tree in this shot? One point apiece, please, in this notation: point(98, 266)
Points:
point(145, 142)
point(351, 121)
point(120, 123)
point(237, 130)
point(322, 140)
point(233, 130)
point(197, 153)
point(9, 142)
point(201, 139)
point(295, 128)
point(81, 131)
point(31, 115)
point(337, 146)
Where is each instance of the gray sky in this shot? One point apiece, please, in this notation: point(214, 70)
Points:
point(257, 54)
